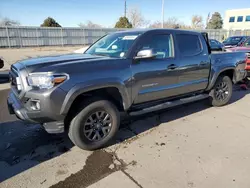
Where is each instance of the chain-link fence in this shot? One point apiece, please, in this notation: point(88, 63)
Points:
point(47, 36)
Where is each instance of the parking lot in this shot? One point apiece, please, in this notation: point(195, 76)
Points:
point(189, 146)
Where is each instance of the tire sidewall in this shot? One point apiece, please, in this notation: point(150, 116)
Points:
point(216, 102)
point(77, 125)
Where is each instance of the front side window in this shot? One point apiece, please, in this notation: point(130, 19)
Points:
point(240, 19)
point(232, 19)
point(162, 45)
point(247, 42)
point(113, 45)
point(213, 43)
point(188, 44)
point(248, 18)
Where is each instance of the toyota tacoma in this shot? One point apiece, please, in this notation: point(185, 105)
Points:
point(133, 72)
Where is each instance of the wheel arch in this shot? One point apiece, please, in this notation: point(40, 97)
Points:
point(230, 72)
point(118, 91)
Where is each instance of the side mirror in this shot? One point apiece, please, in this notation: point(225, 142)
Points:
point(145, 54)
point(1, 63)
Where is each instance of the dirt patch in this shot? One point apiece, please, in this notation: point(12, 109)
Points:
point(98, 165)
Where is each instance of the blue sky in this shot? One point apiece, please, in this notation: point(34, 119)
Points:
point(69, 13)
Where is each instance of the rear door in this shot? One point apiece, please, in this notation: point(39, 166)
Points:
point(194, 63)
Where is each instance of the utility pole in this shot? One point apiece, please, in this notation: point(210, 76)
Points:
point(162, 14)
point(125, 9)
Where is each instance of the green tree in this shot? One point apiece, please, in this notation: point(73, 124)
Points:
point(50, 22)
point(215, 22)
point(123, 23)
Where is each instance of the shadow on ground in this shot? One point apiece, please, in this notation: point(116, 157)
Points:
point(131, 127)
point(23, 146)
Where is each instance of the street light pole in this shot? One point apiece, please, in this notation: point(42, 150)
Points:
point(162, 14)
point(125, 9)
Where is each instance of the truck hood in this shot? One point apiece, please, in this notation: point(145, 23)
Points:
point(58, 59)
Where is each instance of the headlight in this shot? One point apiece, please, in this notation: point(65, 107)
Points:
point(45, 80)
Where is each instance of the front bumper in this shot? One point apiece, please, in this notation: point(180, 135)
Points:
point(16, 107)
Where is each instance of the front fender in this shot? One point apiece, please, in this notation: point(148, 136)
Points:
point(84, 87)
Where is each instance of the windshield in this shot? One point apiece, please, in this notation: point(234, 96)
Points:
point(233, 40)
point(113, 45)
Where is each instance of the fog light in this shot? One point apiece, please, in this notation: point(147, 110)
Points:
point(35, 104)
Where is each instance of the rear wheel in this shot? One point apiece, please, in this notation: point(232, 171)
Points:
point(95, 125)
point(222, 91)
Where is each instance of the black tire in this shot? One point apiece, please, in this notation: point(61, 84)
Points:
point(223, 81)
point(78, 124)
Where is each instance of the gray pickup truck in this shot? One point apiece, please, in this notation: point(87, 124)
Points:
point(134, 72)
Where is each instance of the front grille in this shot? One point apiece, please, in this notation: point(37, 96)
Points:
point(15, 80)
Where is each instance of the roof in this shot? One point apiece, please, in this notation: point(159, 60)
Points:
point(240, 36)
point(155, 30)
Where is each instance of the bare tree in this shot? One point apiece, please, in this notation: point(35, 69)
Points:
point(171, 22)
point(136, 18)
point(197, 22)
point(90, 24)
point(8, 22)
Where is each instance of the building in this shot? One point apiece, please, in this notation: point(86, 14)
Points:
point(237, 19)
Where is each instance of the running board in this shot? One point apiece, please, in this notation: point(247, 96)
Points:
point(170, 104)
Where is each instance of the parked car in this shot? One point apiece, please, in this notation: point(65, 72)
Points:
point(4, 75)
point(133, 71)
point(245, 47)
point(216, 45)
point(1, 63)
point(234, 41)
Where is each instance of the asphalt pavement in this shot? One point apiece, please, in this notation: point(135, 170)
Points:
point(194, 145)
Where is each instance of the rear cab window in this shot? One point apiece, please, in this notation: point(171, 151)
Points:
point(189, 44)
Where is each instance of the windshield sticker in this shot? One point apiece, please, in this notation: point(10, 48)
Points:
point(130, 37)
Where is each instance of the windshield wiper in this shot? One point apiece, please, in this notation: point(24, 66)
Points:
point(106, 55)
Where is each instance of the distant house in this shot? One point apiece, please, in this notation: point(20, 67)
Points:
point(237, 19)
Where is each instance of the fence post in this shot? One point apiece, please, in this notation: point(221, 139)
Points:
point(19, 36)
point(84, 36)
point(37, 42)
point(62, 36)
point(8, 37)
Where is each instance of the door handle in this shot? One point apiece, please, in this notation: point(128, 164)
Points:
point(172, 66)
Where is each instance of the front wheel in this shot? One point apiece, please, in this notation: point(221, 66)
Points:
point(222, 91)
point(95, 125)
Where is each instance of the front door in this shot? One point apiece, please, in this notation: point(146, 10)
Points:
point(157, 77)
